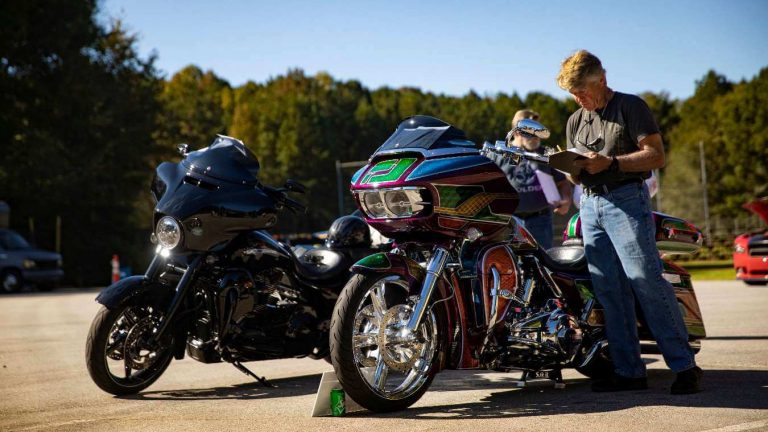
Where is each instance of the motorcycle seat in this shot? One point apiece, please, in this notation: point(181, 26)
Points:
point(322, 264)
point(565, 258)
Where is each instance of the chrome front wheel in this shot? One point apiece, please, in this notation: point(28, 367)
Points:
point(380, 364)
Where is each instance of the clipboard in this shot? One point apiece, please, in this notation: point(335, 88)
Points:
point(563, 161)
point(548, 186)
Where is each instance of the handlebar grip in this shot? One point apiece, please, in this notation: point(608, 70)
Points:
point(295, 205)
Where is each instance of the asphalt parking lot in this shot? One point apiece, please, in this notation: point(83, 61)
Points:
point(44, 384)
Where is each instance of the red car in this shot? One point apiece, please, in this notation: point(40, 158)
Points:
point(750, 250)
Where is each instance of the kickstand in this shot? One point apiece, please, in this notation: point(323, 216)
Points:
point(245, 370)
point(554, 375)
point(523, 381)
point(557, 376)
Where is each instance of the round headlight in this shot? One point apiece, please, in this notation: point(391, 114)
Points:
point(374, 205)
point(403, 202)
point(168, 232)
point(398, 202)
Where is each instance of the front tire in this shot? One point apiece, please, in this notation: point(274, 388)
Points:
point(11, 281)
point(118, 357)
point(378, 367)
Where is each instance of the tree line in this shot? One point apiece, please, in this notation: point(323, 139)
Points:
point(84, 119)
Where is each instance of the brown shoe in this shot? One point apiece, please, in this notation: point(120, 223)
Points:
point(688, 381)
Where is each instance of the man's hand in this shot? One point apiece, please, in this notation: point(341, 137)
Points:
point(594, 162)
point(562, 206)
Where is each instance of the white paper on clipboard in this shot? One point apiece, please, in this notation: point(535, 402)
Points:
point(548, 186)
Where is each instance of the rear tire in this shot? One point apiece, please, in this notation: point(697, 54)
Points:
point(599, 367)
point(119, 333)
point(369, 357)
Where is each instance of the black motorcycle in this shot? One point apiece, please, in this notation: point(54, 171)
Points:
point(220, 288)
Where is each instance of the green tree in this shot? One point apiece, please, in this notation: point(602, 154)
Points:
point(739, 166)
point(682, 189)
point(78, 110)
point(195, 107)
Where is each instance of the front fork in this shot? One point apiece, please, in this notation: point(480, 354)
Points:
point(435, 268)
point(182, 288)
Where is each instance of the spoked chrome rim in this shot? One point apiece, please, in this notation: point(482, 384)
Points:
point(393, 363)
point(129, 359)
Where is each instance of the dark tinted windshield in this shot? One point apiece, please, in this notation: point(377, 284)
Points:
point(427, 133)
point(10, 240)
point(225, 159)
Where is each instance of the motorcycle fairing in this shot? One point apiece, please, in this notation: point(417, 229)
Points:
point(680, 280)
point(232, 209)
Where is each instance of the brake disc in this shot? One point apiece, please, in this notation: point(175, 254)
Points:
point(399, 352)
point(119, 338)
point(137, 354)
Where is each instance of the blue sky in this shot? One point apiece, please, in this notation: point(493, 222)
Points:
point(453, 47)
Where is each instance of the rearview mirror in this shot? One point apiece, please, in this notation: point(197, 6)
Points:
point(532, 127)
point(294, 186)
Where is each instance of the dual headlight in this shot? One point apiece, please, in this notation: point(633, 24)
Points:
point(392, 203)
point(168, 232)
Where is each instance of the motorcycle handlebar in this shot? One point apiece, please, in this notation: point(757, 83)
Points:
point(517, 152)
point(294, 205)
point(280, 195)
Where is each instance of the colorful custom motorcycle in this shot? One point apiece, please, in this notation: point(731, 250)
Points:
point(467, 287)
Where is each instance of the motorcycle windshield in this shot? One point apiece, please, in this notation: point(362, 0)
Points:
point(226, 159)
point(426, 138)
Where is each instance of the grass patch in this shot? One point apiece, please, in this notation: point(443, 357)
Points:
point(710, 270)
point(713, 273)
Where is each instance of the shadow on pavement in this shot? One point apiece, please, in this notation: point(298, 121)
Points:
point(284, 387)
point(741, 389)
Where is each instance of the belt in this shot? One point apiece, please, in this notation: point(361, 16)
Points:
point(603, 189)
point(526, 215)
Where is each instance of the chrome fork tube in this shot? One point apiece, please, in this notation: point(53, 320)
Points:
point(434, 269)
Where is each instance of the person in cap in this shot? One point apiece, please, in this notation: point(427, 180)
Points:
point(529, 178)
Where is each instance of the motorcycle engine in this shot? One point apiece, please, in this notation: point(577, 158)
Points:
point(540, 339)
point(271, 319)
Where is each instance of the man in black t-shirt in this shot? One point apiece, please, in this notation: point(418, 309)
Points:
point(534, 212)
point(622, 144)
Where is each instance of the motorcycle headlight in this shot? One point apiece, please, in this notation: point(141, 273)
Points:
point(393, 203)
point(168, 232)
point(373, 205)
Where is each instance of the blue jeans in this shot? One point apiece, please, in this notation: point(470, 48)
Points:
point(620, 245)
point(540, 228)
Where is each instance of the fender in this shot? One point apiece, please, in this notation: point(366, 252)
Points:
point(126, 289)
point(390, 263)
